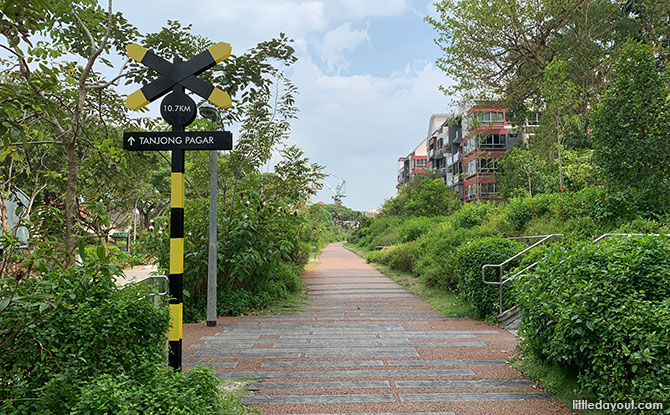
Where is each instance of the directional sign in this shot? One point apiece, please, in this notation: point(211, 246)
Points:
point(171, 140)
point(181, 73)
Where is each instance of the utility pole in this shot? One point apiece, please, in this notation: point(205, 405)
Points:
point(211, 113)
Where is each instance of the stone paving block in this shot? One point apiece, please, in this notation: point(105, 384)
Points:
point(365, 353)
point(419, 334)
point(386, 413)
point(369, 384)
point(449, 344)
point(228, 355)
point(225, 365)
point(495, 383)
point(472, 397)
point(325, 399)
point(445, 362)
point(348, 373)
point(325, 363)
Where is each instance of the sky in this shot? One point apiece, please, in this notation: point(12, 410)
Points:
point(366, 76)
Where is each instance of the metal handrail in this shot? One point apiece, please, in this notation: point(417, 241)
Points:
point(501, 282)
point(149, 279)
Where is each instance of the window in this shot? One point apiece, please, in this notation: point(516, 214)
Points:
point(471, 191)
point(487, 189)
point(488, 165)
point(470, 144)
point(534, 118)
point(492, 140)
point(497, 117)
point(419, 162)
point(471, 167)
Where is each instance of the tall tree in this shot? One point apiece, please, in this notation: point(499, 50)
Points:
point(500, 48)
point(631, 124)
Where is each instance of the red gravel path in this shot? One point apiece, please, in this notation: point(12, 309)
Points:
point(359, 321)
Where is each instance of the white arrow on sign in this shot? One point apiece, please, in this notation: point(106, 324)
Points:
point(131, 140)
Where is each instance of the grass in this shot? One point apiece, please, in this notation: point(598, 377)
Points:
point(233, 389)
point(294, 301)
point(560, 383)
point(447, 303)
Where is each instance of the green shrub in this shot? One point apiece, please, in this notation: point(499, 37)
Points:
point(252, 247)
point(435, 263)
point(381, 231)
point(468, 261)
point(522, 210)
point(470, 215)
point(374, 256)
point(162, 392)
point(86, 335)
point(403, 256)
point(413, 228)
point(603, 310)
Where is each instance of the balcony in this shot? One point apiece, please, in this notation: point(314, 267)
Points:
point(453, 158)
point(453, 179)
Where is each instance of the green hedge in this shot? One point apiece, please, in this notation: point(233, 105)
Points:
point(604, 311)
point(469, 259)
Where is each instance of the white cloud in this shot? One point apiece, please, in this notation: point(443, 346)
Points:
point(339, 40)
point(267, 17)
point(374, 8)
point(358, 126)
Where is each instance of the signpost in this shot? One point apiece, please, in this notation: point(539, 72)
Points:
point(178, 110)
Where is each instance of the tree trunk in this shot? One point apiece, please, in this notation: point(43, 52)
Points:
point(71, 193)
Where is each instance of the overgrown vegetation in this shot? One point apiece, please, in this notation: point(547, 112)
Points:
point(74, 342)
point(603, 311)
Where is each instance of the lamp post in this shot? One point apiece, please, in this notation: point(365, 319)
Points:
point(211, 113)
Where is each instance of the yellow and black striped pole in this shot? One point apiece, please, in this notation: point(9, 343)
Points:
point(176, 277)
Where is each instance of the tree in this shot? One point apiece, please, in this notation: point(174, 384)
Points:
point(424, 195)
point(55, 91)
point(500, 49)
point(631, 124)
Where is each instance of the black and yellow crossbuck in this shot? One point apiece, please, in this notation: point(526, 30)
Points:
point(182, 73)
point(176, 77)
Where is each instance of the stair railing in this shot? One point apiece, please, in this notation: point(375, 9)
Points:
point(543, 239)
point(155, 279)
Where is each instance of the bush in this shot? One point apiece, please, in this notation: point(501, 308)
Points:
point(87, 335)
point(435, 262)
point(522, 210)
point(468, 261)
point(253, 248)
point(403, 256)
point(471, 215)
point(413, 228)
point(603, 310)
point(163, 392)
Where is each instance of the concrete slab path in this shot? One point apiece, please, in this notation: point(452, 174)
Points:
point(364, 345)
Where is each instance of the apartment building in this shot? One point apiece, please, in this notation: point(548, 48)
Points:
point(465, 149)
point(414, 163)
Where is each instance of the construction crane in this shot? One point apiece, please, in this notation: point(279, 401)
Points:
point(339, 191)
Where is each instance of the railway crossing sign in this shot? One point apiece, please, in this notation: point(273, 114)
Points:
point(178, 110)
point(183, 74)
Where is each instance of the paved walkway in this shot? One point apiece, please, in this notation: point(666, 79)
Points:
point(364, 345)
